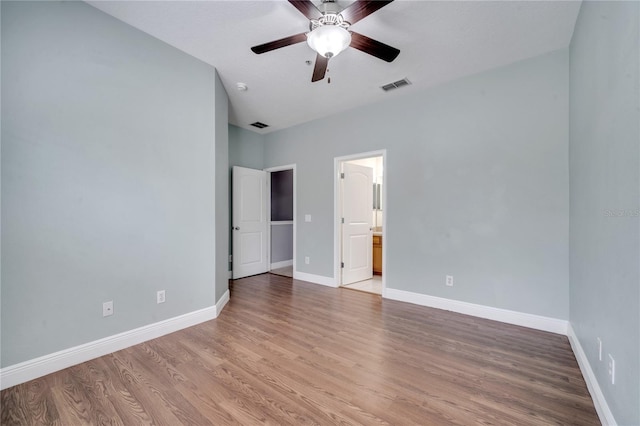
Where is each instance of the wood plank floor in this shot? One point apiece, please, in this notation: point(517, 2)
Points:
point(289, 352)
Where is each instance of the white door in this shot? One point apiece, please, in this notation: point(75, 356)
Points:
point(357, 212)
point(249, 224)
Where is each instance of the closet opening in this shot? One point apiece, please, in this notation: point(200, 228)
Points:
point(281, 181)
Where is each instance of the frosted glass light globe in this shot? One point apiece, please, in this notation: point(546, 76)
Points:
point(329, 40)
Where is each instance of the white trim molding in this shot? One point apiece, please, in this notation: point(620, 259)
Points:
point(537, 322)
point(600, 403)
point(47, 364)
point(220, 304)
point(315, 279)
point(282, 264)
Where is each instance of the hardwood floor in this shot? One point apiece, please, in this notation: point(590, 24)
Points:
point(287, 271)
point(289, 352)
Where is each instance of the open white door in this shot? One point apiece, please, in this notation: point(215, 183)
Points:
point(357, 207)
point(249, 224)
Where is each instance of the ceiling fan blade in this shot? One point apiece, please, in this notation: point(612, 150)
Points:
point(320, 68)
point(277, 44)
point(361, 9)
point(373, 47)
point(307, 8)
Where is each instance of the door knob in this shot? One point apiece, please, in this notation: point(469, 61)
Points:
point(237, 228)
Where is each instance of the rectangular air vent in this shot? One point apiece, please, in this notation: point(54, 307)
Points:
point(259, 125)
point(396, 84)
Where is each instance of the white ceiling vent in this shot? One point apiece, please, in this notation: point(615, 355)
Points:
point(259, 125)
point(396, 84)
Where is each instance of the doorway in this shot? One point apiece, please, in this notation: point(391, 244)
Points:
point(360, 201)
point(281, 182)
point(263, 223)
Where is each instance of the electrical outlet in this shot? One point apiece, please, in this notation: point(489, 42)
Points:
point(612, 369)
point(307, 218)
point(599, 349)
point(107, 308)
point(307, 260)
point(449, 281)
point(160, 296)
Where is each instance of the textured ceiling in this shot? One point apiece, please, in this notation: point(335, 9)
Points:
point(439, 42)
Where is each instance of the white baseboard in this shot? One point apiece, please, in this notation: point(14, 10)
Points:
point(537, 322)
point(282, 264)
point(602, 408)
point(222, 302)
point(316, 279)
point(47, 364)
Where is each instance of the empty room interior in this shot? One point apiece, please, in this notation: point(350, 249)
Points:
point(320, 212)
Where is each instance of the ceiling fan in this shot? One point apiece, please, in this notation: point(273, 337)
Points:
point(329, 32)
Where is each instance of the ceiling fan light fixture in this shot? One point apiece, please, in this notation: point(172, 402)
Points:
point(329, 33)
point(329, 40)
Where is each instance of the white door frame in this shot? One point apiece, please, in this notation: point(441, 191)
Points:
point(337, 215)
point(269, 171)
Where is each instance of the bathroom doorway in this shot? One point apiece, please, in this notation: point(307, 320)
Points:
point(360, 217)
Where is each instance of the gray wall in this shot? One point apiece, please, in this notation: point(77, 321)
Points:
point(0, 197)
point(281, 243)
point(477, 185)
point(605, 196)
point(107, 178)
point(222, 192)
point(246, 148)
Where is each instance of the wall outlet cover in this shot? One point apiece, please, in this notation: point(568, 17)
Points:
point(107, 308)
